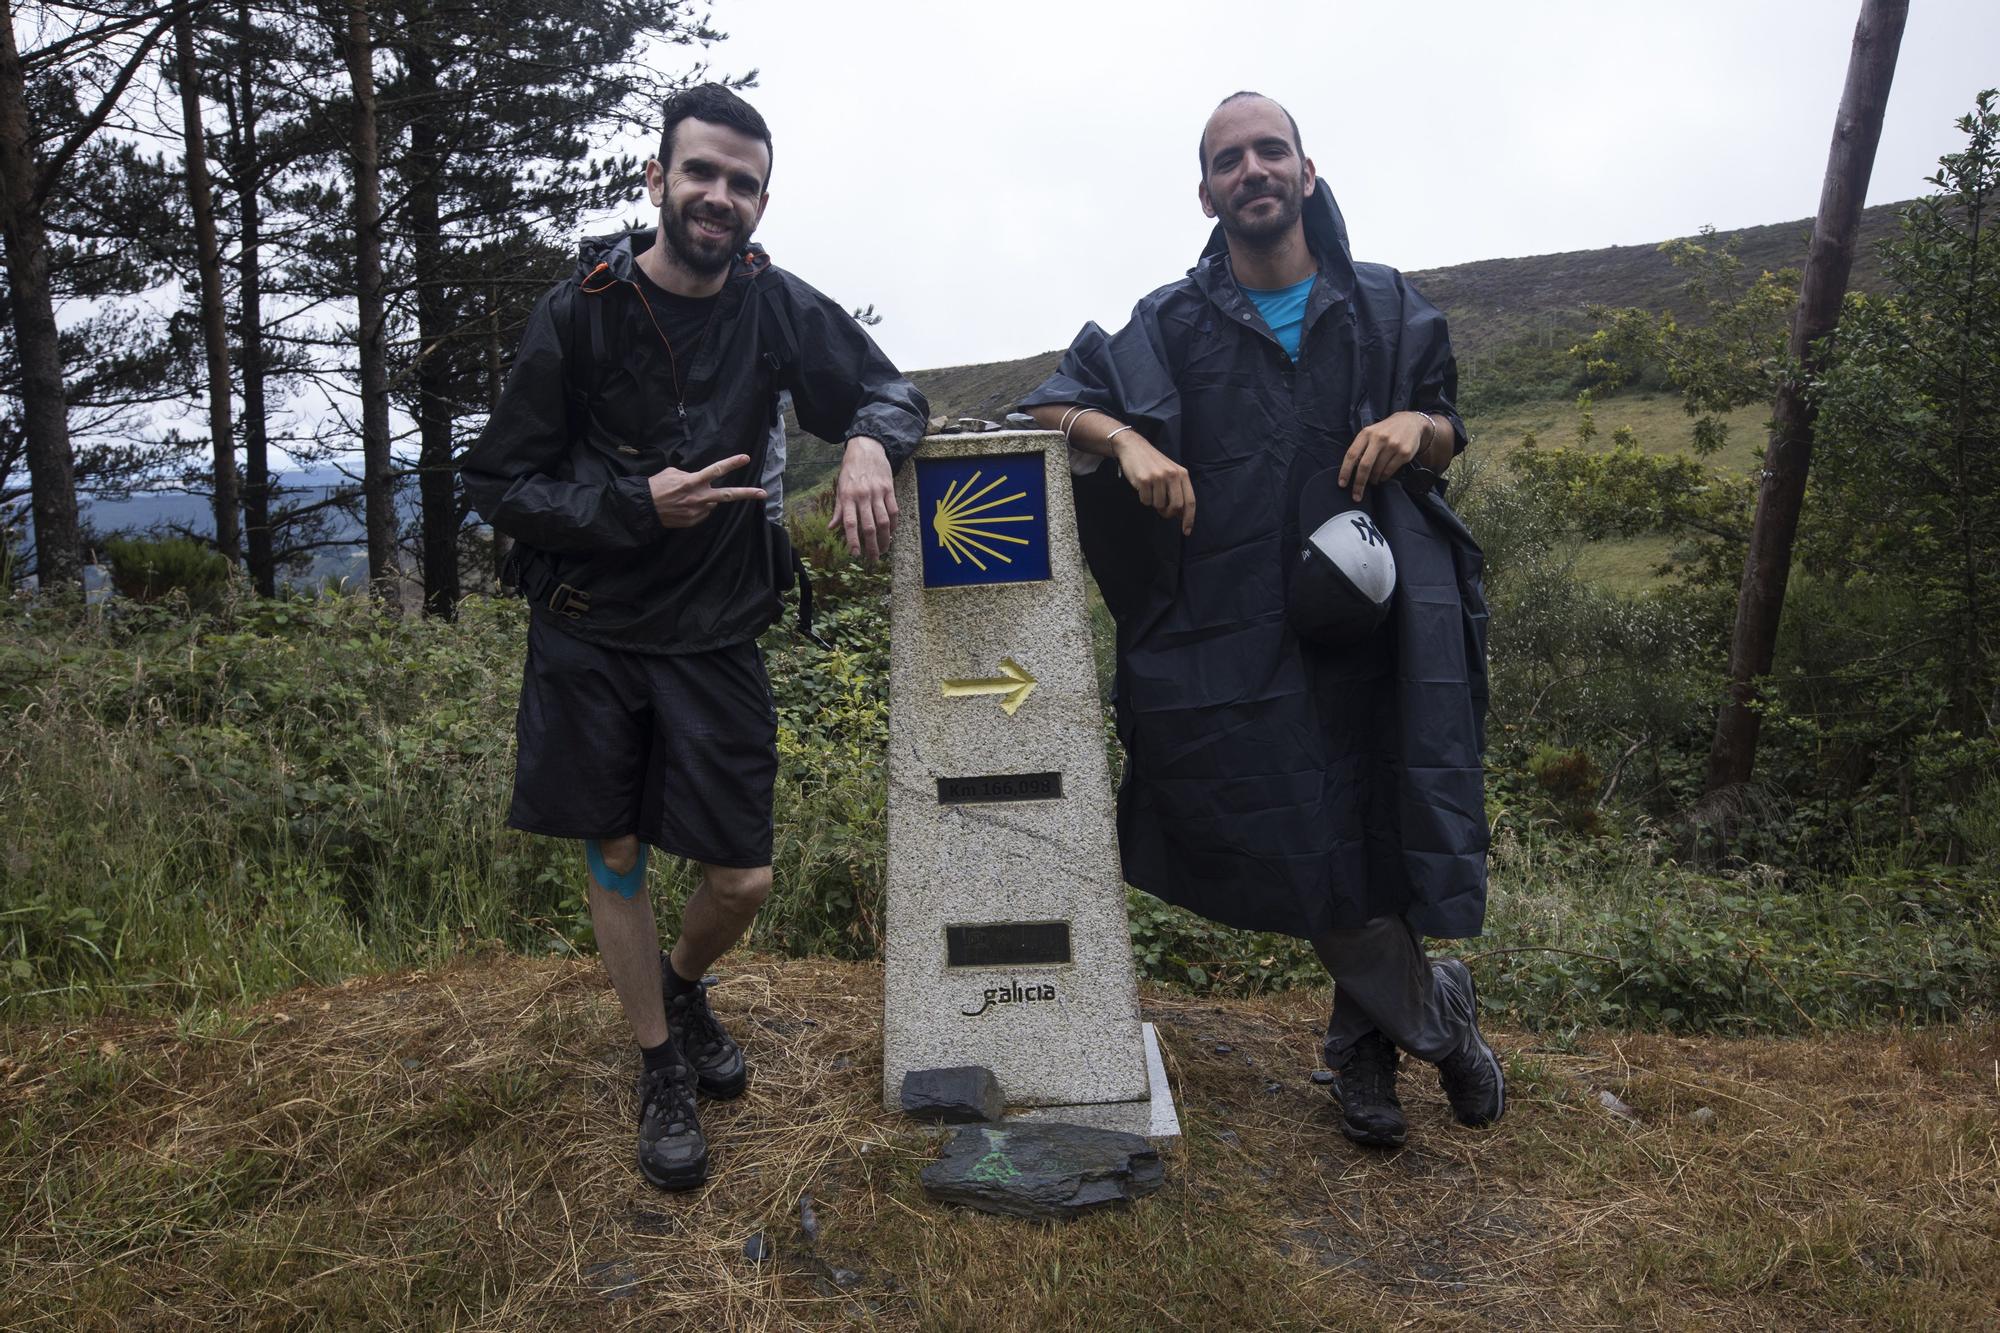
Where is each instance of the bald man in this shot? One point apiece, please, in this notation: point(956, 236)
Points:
point(1291, 767)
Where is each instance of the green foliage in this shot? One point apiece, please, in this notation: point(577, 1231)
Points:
point(149, 569)
point(833, 734)
point(1569, 780)
point(1174, 946)
point(1623, 492)
point(1655, 945)
point(1906, 479)
point(1630, 679)
point(226, 803)
point(1520, 371)
point(1728, 354)
point(13, 568)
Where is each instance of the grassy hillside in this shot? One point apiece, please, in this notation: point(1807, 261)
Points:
point(451, 1148)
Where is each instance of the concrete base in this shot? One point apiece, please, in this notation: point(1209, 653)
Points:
point(1154, 1117)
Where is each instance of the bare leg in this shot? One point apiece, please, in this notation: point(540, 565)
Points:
point(717, 914)
point(629, 943)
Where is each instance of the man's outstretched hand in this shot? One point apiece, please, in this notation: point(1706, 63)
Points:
point(864, 499)
point(683, 499)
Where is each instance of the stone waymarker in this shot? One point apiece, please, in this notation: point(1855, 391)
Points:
point(1007, 941)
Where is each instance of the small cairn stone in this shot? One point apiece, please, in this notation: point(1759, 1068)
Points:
point(959, 1095)
point(1042, 1169)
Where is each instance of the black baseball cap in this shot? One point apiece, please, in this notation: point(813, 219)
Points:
point(1344, 580)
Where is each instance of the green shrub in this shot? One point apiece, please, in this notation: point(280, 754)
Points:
point(147, 570)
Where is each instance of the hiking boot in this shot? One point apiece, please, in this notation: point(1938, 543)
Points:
point(673, 1155)
point(1365, 1089)
point(1472, 1079)
point(719, 1069)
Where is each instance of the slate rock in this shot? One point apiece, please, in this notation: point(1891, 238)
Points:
point(1322, 1076)
point(1042, 1169)
point(962, 1094)
point(758, 1248)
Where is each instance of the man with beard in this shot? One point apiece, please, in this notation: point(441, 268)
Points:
point(1286, 769)
point(631, 456)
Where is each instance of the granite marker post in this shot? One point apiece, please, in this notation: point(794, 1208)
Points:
point(1007, 940)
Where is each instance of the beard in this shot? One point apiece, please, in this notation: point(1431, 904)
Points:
point(1270, 226)
point(702, 255)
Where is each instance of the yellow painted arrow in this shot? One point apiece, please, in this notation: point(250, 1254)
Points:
point(1013, 681)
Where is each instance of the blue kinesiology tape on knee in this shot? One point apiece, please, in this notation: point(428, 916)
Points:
point(624, 885)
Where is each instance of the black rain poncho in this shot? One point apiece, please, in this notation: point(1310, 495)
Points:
point(1270, 786)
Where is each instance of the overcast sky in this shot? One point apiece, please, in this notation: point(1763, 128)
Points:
point(990, 176)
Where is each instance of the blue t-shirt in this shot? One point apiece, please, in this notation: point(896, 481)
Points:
point(1284, 309)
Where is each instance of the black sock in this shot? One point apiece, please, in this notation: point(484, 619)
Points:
point(676, 983)
point(659, 1057)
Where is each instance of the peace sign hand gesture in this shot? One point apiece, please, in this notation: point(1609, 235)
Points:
point(683, 499)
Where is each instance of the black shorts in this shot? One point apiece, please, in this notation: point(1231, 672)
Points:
point(681, 749)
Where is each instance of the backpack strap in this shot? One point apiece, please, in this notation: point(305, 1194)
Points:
point(781, 354)
point(581, 371)
point(806, 601)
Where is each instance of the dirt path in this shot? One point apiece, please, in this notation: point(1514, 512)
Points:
point(451, 1149)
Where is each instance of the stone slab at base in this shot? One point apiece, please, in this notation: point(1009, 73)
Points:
point(1154, 1117)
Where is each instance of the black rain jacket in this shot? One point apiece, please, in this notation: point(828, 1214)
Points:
point(1269, 785)
point(562, 464)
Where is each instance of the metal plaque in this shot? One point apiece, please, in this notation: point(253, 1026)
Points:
point(1007, 944)
point(999, 787)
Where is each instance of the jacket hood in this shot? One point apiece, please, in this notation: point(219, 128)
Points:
point(619, 251)
point(1326, 234)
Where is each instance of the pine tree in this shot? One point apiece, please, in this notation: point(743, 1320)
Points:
point(497, 112)
point(54, 99)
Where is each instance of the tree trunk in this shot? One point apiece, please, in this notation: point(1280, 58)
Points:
point(250, 330)
point(495, 377)
point(208, 252)
point(1767, 567)
point(436, 478)
point(1970, 710)
point(378, 488)
point(44, 413)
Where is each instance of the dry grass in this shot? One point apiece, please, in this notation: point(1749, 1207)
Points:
point(451, 1149)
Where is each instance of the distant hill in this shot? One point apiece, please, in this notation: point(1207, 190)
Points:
point(1493, 302)
point(1512, 320)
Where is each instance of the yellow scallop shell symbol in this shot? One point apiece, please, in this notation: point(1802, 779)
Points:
point(964, 526)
